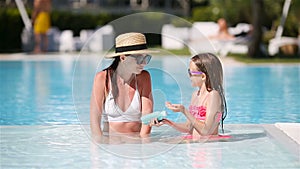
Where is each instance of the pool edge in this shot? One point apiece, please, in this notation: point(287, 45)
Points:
point(283, 139)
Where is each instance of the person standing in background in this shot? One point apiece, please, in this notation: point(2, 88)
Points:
point(41, 24)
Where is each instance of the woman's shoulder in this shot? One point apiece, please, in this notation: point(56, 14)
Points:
point(101, 76)
point(144, 78)
point(99, 81)
point(145, 72)
point(102, 73)
point(143, 75)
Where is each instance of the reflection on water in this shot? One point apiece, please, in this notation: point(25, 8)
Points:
point(36, 93)
point(68, 146)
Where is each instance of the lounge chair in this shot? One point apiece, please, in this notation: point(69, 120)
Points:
point(202, 39)
point(278, 41)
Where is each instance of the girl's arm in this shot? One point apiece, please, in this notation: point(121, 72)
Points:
point(211, 121)
point(146, 100)
point(182, 127)
point(186, 127)
point(96, 105)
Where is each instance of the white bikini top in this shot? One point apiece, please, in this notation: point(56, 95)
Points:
point(113, 113)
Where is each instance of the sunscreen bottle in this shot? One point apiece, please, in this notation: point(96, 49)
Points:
point(157, 114)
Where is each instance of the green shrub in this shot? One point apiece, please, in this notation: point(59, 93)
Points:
point(12, 25)
point(206, 14)
point(10, 30)
point(77, 21)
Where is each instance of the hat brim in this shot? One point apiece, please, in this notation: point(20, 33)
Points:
point(144, 51)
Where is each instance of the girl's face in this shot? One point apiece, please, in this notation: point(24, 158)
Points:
point(197, 77)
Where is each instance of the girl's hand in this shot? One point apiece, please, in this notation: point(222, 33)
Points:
point(175, 107)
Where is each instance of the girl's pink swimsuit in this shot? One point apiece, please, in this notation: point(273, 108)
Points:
point(199, 112)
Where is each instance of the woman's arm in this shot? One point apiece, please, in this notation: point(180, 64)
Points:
point(96, 104)
point(144, 82)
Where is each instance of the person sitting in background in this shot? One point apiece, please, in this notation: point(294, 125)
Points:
point(223, 33)
point(41, 24)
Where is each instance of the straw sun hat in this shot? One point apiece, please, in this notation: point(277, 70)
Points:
point(130, 43)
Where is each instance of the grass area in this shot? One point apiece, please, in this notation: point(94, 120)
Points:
point(184, 51)
point(180, 52)
point(277, 59)
point(238, 57)
point(244, 58)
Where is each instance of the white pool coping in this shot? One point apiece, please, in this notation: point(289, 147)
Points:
point(37, 57)
point(290, 129)
point(226, 61)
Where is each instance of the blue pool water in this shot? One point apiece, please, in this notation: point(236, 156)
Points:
point(51, 92)
point(44, 118)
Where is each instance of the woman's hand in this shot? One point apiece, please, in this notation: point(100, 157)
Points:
point(101, 139)
point(156, 123)
point(175, 107)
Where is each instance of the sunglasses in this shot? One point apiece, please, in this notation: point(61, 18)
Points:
point(194, 73)
point(142, 58)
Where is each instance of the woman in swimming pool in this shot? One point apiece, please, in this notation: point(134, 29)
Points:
point(208, 104)
point(122, 92)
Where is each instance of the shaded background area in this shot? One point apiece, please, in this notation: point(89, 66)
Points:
point(76, 15)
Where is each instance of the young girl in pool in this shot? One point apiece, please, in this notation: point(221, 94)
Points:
point(208, 105)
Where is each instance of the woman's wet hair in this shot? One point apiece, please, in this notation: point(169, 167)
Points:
point(210, 64)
